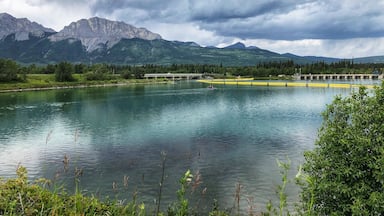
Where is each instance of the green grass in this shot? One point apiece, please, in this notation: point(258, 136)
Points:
point(36, 81)
point(18, 196)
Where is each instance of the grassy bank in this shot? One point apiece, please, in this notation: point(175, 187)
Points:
point(47, 81)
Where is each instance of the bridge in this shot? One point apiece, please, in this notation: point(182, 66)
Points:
point(174, 76)
point(338, 76)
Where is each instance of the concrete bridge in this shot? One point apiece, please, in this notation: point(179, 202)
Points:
point(338, 76)
point(174, 76)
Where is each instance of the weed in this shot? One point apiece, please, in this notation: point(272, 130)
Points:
point(239, 186)
point(282, 209)
point(305, 180)
point(163, 159)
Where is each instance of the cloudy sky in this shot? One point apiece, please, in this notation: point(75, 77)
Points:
point(342, 28)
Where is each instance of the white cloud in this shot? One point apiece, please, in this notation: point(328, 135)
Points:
point(185, 32)
point(50, 14)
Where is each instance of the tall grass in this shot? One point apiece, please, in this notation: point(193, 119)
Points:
point(19, 196)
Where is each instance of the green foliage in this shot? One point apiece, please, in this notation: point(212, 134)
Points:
point(19, 197)
point(49, 69)
point(216, 211)
point(8, 71)
point(282, 208)
point(11, 72)
point(64, 71)
point(181, 208)
point(80, 68)
point(345, 172)
point(99, 72)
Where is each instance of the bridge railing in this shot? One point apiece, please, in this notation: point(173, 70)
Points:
point(338, 76)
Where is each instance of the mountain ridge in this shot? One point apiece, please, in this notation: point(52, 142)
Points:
point(21, 27)
point(98, 40)
point(97, 31)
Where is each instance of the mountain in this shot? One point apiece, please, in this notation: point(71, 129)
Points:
point(98, 40)
point(237, 45)
point(96, 32)
point(240, 45)
point(21, 28)
point(305, 59)
point(371, 59)
point(139, 51)
point(322, 59)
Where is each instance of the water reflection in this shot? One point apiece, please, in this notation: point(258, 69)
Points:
point(230, 135)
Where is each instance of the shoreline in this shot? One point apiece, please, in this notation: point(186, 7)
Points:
point(80, 86)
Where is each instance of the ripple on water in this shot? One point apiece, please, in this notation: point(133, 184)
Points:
point(232, 135)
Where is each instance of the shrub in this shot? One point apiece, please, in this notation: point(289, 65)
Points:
point(345, 171)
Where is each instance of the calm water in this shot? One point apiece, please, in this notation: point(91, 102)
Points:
point(229, 135)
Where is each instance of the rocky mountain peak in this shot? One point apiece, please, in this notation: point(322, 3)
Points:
point(21, 27)
point(96, 32)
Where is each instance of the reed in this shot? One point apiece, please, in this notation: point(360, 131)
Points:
point(238, 187)
point(163, 159)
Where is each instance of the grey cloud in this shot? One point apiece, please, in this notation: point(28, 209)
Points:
point(66, 3)
point(252, 19)
point(106, 6)
point(325, 20)
point(154, 9)
point(221, 10)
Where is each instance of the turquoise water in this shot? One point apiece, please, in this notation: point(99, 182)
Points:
point(230, 135)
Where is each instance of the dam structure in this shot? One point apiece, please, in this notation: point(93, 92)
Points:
point(338, 76)
point(235, 82)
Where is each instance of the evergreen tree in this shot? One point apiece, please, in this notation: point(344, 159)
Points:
point(8, 70)
point(64, 71)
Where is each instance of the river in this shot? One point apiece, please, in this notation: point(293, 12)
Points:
point(230, 135)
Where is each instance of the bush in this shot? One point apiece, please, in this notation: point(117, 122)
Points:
point(91, 76)
point(63, 72)
point(345, 171)
point(8, 71)
point(99, 72)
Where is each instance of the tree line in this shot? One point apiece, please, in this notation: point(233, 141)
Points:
point(10, 71)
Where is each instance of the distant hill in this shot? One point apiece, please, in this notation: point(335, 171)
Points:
point(237, 45)
point(134, 51)
point(98, 40)
point(372, 59)
point(322, 59)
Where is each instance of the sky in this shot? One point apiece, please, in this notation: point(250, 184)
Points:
point(331, 28)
